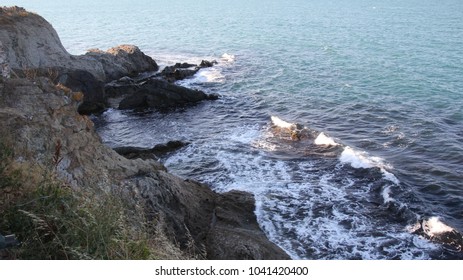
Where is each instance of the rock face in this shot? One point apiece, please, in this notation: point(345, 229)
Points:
point(4, 65)
point(32, 43)
point(80, 80)
point(234, 232)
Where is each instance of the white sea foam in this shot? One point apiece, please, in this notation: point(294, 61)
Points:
point(229, 58)
point(355, 158)
point(434, 226)
point(322, 139)
point(321, 210)
point(210, 75)
point(281, 123)
point(386, 193)
point(360, 159)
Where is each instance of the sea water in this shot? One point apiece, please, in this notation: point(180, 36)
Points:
point(375, 85)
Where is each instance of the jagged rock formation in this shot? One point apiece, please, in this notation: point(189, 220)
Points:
point(40, 120)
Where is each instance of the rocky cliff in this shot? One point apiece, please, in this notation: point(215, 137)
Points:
point(39, 120)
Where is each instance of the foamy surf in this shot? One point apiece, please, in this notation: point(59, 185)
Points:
point(228, 58)
point(212, 74)
point(322, 139)
point(361, 159)
point(281, 123)
point(434, 227)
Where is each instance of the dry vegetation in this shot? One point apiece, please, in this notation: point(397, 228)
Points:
point(54, 221)
point(9, 14)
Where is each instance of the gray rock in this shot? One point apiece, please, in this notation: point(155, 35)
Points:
point(234, 232)
point(32, 43)
point(123, 60)
point(4, 65)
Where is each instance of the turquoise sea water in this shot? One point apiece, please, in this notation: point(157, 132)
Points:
point(382, 79)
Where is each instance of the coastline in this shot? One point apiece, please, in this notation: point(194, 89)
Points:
point(42, 89)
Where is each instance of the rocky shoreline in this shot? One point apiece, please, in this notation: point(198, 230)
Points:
point(45, 94)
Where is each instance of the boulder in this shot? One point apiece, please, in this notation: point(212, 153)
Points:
point(123, 60)
point(221, 226)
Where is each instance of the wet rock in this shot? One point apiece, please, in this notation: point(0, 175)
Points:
point(161, 94)
point(181, 71)
point(206, 63)
point(234, 232)
point(150, 153)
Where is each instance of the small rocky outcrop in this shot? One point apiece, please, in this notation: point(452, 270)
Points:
point(154, 93)
point(123, 60)
point(181, 71)
point(149, 153)
point(83, 81)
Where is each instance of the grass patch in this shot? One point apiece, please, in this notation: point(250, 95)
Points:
point(54, 221)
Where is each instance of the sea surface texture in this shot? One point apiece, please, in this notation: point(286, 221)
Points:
point(376, 88)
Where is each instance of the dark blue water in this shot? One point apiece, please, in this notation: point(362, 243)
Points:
point(381, 80)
